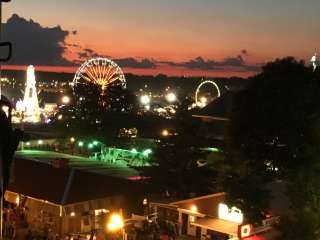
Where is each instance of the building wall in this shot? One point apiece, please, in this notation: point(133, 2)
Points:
point(72, 218)
point(40, 214)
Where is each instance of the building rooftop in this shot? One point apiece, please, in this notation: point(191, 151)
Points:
point(42, 181)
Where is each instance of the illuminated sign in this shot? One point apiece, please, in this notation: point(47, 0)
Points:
point(245, 231)
point(230, 214)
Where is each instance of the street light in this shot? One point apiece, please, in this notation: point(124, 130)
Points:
point(165, 133)
point(115, 223)
point(72, 140)
point(171, 97)
point(80, 144)
point(145, 99)
point(65, 100)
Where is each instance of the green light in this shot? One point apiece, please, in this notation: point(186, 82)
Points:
point(90, 145)
point(147, 152)
point(80, 144)
point(95, 143)
point(213, 149)
point(133, 150)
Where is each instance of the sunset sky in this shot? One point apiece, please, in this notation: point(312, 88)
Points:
point(174, 33)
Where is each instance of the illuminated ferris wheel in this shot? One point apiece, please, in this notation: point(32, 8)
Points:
point(100, 71)
point(202, 101)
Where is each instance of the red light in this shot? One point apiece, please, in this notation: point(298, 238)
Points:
point(245, 231)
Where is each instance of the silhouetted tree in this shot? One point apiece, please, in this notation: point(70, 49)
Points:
point(273, 135)
point(175, 169)
point(9, 140)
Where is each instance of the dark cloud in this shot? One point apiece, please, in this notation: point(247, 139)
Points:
point(34, 44)
point(88, 53)
point(134, 63)
point(253, 68)
point(200, 63)
point(197, 63)
point(232, 61)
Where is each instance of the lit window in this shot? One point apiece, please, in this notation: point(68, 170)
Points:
point(98, 212)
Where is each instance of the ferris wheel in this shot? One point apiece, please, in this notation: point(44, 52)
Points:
point(100, 71)
point(201, 101)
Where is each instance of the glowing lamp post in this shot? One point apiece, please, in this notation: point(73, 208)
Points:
point(165, 133)
point(116, 224)
point(145, 101)
point(171, 97)
point(72, 140)
point(65, 100)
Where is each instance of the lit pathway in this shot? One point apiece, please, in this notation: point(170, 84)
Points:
point(81, 163)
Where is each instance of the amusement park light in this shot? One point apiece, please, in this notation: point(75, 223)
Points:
point(95, 143)
point(80, 144)
point(101, 72)
point(65, 100)
point(90, 145)
point(145, 100)
point(60, 117)
point(72, 139)
point(171, 97)
point(40, 142)
point(203, 100)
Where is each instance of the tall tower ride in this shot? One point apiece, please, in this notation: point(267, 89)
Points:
point(30, 100)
